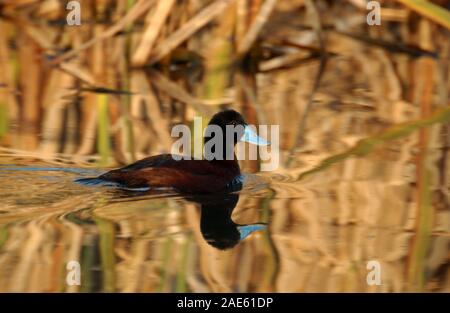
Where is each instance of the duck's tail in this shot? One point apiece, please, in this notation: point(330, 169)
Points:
point(95, 181)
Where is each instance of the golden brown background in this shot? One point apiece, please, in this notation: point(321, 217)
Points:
point(364, 136)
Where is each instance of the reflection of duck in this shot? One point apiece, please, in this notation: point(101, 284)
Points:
point(216, 225)
point(188, 176)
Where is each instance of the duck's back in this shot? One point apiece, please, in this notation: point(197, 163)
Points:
point(167, 170)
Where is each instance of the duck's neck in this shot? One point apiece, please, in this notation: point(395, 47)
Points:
point(226, 153)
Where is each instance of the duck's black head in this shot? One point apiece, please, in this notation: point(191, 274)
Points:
point(227, 117)
point(234, 123)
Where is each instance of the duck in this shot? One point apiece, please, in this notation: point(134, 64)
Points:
point(184, 174)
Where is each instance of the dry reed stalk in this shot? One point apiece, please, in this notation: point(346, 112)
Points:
point(28, 253)
point(42, 37)
point(118, 110)
point(117, 117)
point(89, 121)
point(148, 39)
point(44, 273)
point(242, 279)
point(217, 58)
point(141, 133)
point(80, 73)
point(16, 4)
point(241, 20)
point(360, 4)
point(70, 144)
point(425, 208)
point(75, 239)
point(153, 111)
point(194, 282)
point(254, 7)
point(30, 79)
point(9, 110)
point(429, 10)
point(136, 11)
point(394, 15)
point(175, 91)
point(317, 27)
point(188, 29)
point(54, 257)
point(54, 109)
point(259, 22)
point(135, 266)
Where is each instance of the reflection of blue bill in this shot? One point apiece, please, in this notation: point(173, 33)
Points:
point(246, 230)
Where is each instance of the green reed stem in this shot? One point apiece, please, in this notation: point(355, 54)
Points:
point(273, 262)
point(182, 267)
point(3, 235)
point(103, 143)
point(87, 263)
point(3, 119)
point(424, 220)
point(416, 270)
point(128, 126)
point(366, 145)
point(165, 264)
point(107, 236)
point(430, 10)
